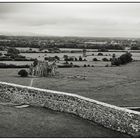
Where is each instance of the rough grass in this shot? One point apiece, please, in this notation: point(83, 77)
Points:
point(41, 122)
point(114, 85)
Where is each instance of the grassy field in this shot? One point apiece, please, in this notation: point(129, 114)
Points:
point(42, 122)
point(114, 85)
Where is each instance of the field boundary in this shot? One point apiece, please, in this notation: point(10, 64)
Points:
point(110, 116)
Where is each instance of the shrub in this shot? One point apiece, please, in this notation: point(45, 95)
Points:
point(105, 59)
point(80, 58)
point(95, 59)
point(57, 58)
point(85, 65)
point(23, 73)
point(100, 54)
point(71, 63)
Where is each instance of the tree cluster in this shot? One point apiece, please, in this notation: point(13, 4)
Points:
point(123, 59)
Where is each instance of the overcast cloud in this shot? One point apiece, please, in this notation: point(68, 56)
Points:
point(71, 19)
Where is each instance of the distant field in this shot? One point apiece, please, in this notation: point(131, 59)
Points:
point(90, 52)
point(108, 55)
point(79, 63)
point(89, 58)
point(115, 85)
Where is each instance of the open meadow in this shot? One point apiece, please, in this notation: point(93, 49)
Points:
point(114, 85)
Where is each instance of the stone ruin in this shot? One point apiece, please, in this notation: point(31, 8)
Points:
point(43, 69)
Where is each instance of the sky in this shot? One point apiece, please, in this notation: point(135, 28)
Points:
point(71, 19)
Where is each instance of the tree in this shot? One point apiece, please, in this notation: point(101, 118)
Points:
point(123, 59)
point(80, 58)
point(23, 73)
point(13, 51)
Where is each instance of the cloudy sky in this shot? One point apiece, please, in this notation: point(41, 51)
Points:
point(71, 19)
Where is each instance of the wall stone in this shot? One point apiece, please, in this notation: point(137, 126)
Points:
point(110, 116)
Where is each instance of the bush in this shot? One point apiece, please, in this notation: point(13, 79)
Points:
point(85, 65)
point(100, 54)
point(71, 63)
point(105, 59)
point(57, 58)
point(95, 59)
point(23, 73)
point(80, 58)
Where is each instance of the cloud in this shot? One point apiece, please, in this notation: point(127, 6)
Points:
point(70, 19)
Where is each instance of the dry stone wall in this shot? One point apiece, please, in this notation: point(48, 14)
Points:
point(110, 116)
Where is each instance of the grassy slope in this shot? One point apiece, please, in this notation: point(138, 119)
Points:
point(115, 85)
point(41, 122)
